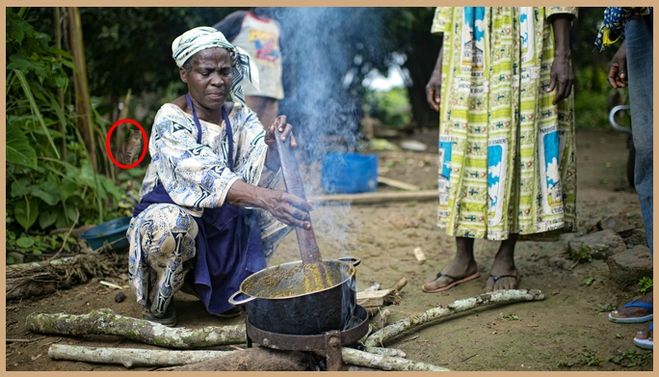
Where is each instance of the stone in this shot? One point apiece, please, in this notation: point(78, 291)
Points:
point(637, 238)
point(628, 267)
point(597, 245)
point(616, 224)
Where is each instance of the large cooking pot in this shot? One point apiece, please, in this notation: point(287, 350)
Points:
point(290, 298)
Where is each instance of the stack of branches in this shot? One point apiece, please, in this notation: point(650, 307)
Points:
point(188, 342)
point(42, 278)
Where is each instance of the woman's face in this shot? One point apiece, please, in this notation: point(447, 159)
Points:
point(209, 77)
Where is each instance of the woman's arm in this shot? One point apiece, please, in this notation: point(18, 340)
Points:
point(562, 72)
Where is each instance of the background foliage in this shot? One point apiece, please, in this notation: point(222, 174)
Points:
point(50, 181)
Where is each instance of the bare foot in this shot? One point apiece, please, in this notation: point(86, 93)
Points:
point(454, 273)
point(502, 276)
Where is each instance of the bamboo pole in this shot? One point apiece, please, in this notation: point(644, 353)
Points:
point(83, 103)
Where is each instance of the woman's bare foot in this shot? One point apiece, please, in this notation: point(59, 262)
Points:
point(503, 274)
point(462, 268)
point(453, 274)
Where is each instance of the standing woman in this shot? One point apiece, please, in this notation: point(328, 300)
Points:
point(208, 216)
point(502, 85)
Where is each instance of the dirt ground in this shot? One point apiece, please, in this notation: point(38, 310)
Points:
point(569, 330)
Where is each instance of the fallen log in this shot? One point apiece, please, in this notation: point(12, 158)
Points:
point(107, 322)
point(375, 197)
point(382, 336)
point(131, 357)
point(252, 359)
point(42, 278)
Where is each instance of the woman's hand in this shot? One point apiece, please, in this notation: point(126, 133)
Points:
point(618, 68)
point(286, 132)
point(434, 85)
point(288, 208)
point(562, 73)
point(562, 77)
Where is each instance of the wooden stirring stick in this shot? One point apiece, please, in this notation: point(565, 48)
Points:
point(306, 239)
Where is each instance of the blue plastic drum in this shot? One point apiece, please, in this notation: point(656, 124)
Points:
point(347, 173)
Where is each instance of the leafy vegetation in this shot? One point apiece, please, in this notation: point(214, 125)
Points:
point(631, 358)
point(645, 285)
point(391, 107)
point(50, 179)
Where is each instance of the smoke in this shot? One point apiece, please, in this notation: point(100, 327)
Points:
point(323, 52)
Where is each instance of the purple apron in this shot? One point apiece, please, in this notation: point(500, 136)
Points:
point(228, 243)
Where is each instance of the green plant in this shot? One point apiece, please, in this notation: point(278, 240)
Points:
point(588, 281)
point(50, 180)
point(603, 308)
point(631, 358)
point(589, 359)
point(645, 285)
point(391, 107)
point(511, 317)
point(583, 255)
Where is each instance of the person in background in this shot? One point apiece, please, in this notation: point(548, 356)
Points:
point(632, 66)
point(208, 217)
point(260, 36)
point(502, 86)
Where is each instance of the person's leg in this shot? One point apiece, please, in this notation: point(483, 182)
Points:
point(503, 274)
point(638, 34)
point(167, 240)
point(462, 268)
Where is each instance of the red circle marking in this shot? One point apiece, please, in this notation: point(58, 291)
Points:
point(145, 146)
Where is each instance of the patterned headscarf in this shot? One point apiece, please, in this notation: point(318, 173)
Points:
point(203, 37)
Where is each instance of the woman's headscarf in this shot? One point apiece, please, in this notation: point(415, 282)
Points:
point(203, 37)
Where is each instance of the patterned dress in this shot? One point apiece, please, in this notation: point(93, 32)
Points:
point(196, 176)
point(506, 154)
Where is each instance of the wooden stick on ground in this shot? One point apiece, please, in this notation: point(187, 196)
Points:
point(365, 359)
point(375, 197)
point(131, 357)
point(107, 322)
point(250, 359)
point(397, 184)
point(382, 336)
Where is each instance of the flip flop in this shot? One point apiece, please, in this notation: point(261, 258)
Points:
point(496, 278)
point(645, 343)
point(637, 303)
point(456, 281)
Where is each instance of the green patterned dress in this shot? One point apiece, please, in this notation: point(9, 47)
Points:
point(506, 154)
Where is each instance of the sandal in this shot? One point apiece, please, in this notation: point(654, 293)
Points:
point(638, 318)
point(496, 278)
point(454, 281)
point(643, 339)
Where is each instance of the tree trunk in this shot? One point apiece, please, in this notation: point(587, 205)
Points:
point(83, 103)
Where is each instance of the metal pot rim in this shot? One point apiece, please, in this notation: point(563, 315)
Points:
point(351, 273)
